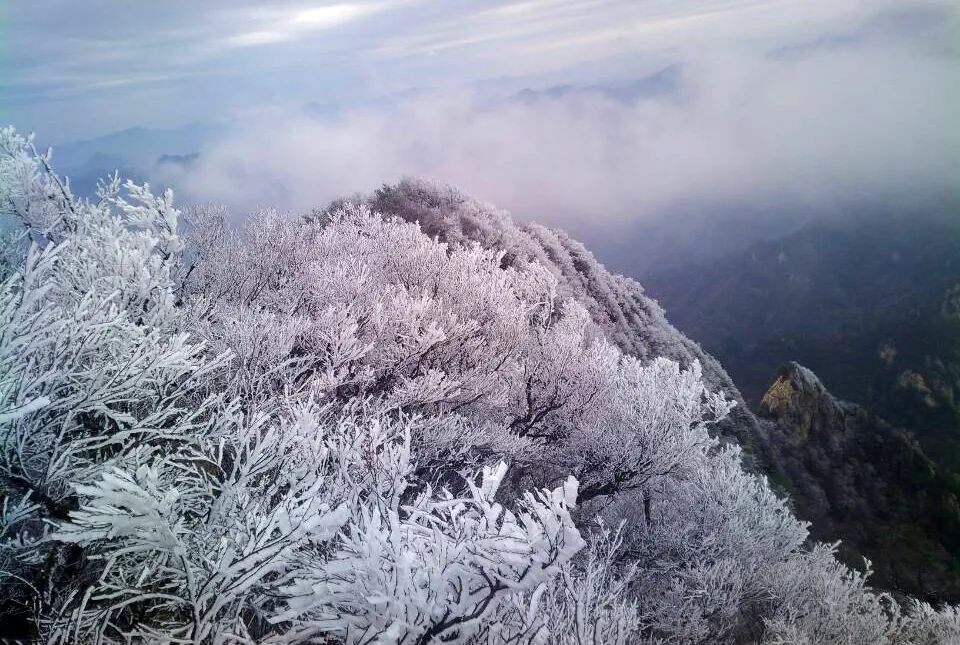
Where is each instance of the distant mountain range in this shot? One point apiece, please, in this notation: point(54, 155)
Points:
point(135, 152)
point(662, 83)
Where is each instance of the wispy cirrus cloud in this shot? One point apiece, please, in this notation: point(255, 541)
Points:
point(292, 23)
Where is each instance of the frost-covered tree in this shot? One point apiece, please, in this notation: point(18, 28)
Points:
point(298, 432)
point(92, 366)
point(436, 571)
point(193, 506)
point(389, 312)
point(589, 602)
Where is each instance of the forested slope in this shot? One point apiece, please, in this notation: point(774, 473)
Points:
point(348, 430)
point(857, 478)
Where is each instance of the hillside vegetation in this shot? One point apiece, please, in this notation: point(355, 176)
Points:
point(349, 430)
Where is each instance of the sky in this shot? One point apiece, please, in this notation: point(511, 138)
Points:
point(580, 113)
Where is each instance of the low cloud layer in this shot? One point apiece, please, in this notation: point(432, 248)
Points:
point(869, 115)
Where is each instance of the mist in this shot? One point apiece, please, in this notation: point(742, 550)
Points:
point(814, 128)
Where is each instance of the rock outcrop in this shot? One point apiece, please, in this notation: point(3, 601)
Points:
point(800, 402)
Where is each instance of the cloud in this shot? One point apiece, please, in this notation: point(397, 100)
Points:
point(301, 22)
point(76, 70)
point(771, 106)
point(110, 65)
point(858, 115)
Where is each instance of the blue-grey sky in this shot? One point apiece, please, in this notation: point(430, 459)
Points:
point(633, 104)
point(78, 69)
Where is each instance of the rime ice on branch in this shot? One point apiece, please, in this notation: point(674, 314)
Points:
point(299, 432)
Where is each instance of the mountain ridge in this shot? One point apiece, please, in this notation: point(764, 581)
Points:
point(638, 324)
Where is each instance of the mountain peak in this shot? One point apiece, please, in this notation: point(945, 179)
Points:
point(799, 400)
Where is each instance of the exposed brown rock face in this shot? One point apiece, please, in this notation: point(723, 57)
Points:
point(800, 401)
